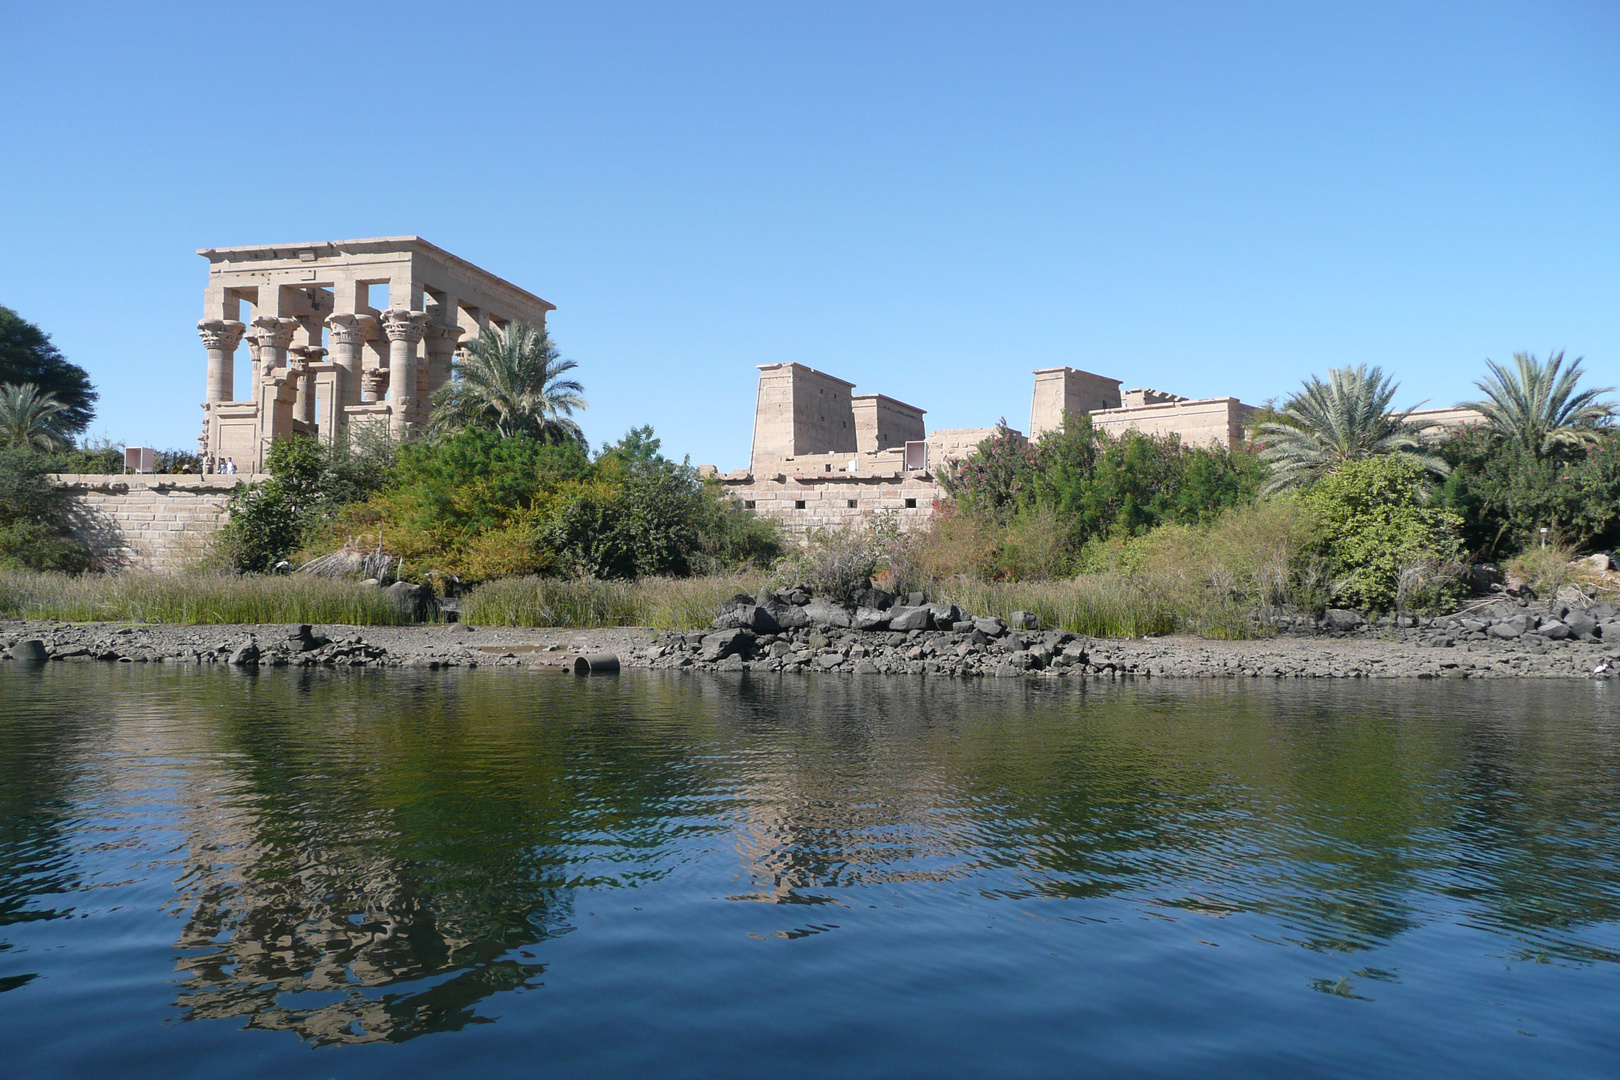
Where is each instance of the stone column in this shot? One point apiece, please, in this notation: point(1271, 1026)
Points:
point(304, 408)
point(442, 342)
point(274, 335)
point(349, 334)
point(221, 337)
point(404, 328)
point(372, 384)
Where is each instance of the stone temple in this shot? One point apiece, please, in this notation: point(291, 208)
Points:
point(340, 334)
point(824, 455)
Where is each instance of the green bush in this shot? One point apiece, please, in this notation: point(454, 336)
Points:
point(35, 530)
point(1077, 485)
point(1506, 495)
point(481, 506)
point(1386, 544)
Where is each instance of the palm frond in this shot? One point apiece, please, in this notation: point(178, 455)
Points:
point(1346, 418)
point(1536, 405)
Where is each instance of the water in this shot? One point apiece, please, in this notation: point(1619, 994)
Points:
point(207, 873)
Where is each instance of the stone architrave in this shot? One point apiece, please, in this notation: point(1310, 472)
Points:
point(348, 335)
point(404, 329)
point(221, 337)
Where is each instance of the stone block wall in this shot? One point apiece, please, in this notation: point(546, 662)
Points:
point(147, 522)
point(883, 423)
point(1062, 390)
point(1202, 422)
point(801, 411)
point(800, 504)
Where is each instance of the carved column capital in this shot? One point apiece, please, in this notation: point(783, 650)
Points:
point(443, 339)
point(351, 329)
point(223, 334)
point(402, 324)
point(375, 381)
point(274, 333)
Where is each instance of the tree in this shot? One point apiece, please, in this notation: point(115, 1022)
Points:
point(27, 356)
point(512, 383)
point(35, 517)
point(31, 419)
point(1329, 424)
point(1535, 407)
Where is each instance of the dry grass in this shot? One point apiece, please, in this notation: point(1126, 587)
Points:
point(1556, 566)
point(661, 603)
point(194, 598)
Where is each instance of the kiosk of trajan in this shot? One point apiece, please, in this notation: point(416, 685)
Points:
point(340, 333)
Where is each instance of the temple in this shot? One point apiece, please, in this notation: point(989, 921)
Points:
point(824, 455)
point(340, 334)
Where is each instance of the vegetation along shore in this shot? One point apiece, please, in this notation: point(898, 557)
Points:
point(1340, 525)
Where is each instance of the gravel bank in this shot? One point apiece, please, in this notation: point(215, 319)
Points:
point(1433, 651)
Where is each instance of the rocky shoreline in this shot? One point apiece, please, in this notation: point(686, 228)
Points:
point(1512, 639)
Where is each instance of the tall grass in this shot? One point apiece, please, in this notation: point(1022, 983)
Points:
point(194, 598)
point(1096, 605)
point(661, 603)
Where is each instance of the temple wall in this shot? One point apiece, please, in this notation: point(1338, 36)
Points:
point(1204, 422)
point(1062, 390)
point(882, 423)
point(147, 522)
point(800, 504)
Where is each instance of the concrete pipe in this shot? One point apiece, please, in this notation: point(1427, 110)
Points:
point(602, 663)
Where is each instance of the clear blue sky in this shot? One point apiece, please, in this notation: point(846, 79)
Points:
point(929, 200)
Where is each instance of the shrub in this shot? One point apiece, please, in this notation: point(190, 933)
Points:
point(1506, 495)
point(35, 529)
point(1383, 541)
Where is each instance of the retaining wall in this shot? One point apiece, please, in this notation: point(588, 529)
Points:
point(147, 522)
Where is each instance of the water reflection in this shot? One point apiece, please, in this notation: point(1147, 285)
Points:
point(370, 857)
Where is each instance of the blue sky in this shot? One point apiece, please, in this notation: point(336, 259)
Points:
point(929, 200)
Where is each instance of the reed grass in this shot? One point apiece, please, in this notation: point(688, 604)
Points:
point(660, 603)
point(194, 598)
point(1095, 605)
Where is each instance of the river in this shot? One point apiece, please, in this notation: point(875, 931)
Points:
point(209, 873)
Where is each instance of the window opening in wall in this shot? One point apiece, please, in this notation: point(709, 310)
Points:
point(911, 504)
point(827, 467)
point(748, 504)
point(242, 370)
point(798, 504)
point(852, 503)
point(374, 294)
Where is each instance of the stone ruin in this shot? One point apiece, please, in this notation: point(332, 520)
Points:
point(823, 455)
point(341, 334)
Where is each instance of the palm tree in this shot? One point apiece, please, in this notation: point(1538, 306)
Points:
point(1344, 419)
point(511, 382)
point(1536, 408)
point(29, 418)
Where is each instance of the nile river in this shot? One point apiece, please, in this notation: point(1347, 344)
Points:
point(207, 873)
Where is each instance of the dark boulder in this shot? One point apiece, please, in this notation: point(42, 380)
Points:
point(821, 613)
point(1342, 620)
point(30, 651)
point(871, 618)
point(910, 618)
point(724, 643)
